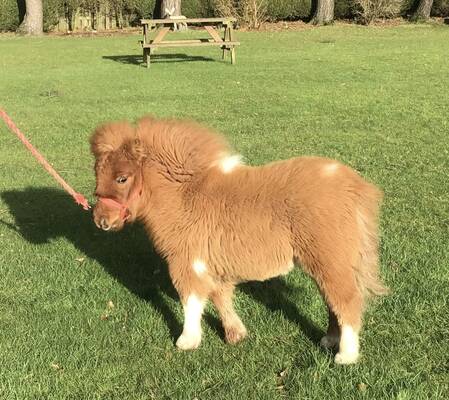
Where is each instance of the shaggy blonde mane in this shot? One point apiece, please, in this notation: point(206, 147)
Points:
point(182, 149)
point(111, 136)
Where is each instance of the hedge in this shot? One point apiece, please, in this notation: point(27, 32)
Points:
point(9, 15)
point(197, 8)
point(136, 9)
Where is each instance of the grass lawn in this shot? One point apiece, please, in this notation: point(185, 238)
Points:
point(90, 315)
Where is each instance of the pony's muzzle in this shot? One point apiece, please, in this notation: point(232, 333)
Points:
point(105, 221)
point(104, 224)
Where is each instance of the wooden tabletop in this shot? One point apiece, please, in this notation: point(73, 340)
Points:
point(185, 20)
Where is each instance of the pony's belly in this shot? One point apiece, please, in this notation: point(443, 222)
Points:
point(251, 256)
point(262, 272)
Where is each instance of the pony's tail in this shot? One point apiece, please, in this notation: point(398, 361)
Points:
point(367, 270)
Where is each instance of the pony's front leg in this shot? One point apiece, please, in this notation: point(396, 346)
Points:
point(194, 286)
point(193, 310)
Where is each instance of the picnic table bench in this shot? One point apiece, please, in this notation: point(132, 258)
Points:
point(211, 25)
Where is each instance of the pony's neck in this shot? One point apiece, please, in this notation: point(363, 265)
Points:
point(163, 211)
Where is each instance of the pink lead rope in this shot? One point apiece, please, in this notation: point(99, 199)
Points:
point(78, 197)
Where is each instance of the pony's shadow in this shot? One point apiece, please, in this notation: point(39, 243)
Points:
point(43, 214)
point(135, 59)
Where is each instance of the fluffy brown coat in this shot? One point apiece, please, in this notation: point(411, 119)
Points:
point(218, 222)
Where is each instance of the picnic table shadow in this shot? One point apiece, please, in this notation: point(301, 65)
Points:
point(43, 214)
point(137, 59)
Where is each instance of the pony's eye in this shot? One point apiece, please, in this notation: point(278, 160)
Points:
point(121, 179)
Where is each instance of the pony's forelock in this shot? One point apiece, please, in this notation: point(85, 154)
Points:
point(111, 136)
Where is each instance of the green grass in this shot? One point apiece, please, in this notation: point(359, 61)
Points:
point(376, 99)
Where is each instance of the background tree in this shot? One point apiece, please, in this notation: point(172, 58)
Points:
point(170, 8)
point(324, 12)
point(70, 8)
point(423, 10)
point(33, 21)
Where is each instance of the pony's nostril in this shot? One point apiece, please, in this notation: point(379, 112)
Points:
point(104, 224)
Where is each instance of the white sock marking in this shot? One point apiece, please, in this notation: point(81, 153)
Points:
point(348, 352)
point(191, 334)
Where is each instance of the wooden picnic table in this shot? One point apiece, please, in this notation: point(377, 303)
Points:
point(152, 40)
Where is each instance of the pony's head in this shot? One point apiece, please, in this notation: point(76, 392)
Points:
point(119, 158)
point(167, 155)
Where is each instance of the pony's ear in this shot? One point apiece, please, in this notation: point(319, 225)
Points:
point(98, 147)
point(109, 137)
point(134, 150)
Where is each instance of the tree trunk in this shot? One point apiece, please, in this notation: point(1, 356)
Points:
point(170, 8)
point(68, 14)
point(32, 23)
point(324, 12)
point(93, 20)
point(423, 10)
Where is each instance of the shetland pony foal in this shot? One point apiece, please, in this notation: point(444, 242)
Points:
point(218, 222)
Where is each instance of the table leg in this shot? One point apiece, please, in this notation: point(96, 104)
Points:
point(225, 49)
point(146, 32)
point(147, 56)
point(232, 55)
point(231, 38)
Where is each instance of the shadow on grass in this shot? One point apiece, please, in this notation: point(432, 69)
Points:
point(43, 214)
point(135, 59)
point(273, 294)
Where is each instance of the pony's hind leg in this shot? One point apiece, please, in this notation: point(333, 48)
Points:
point(345, 303)
point(338, 286)
point(234, 329)
point(333, 334)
